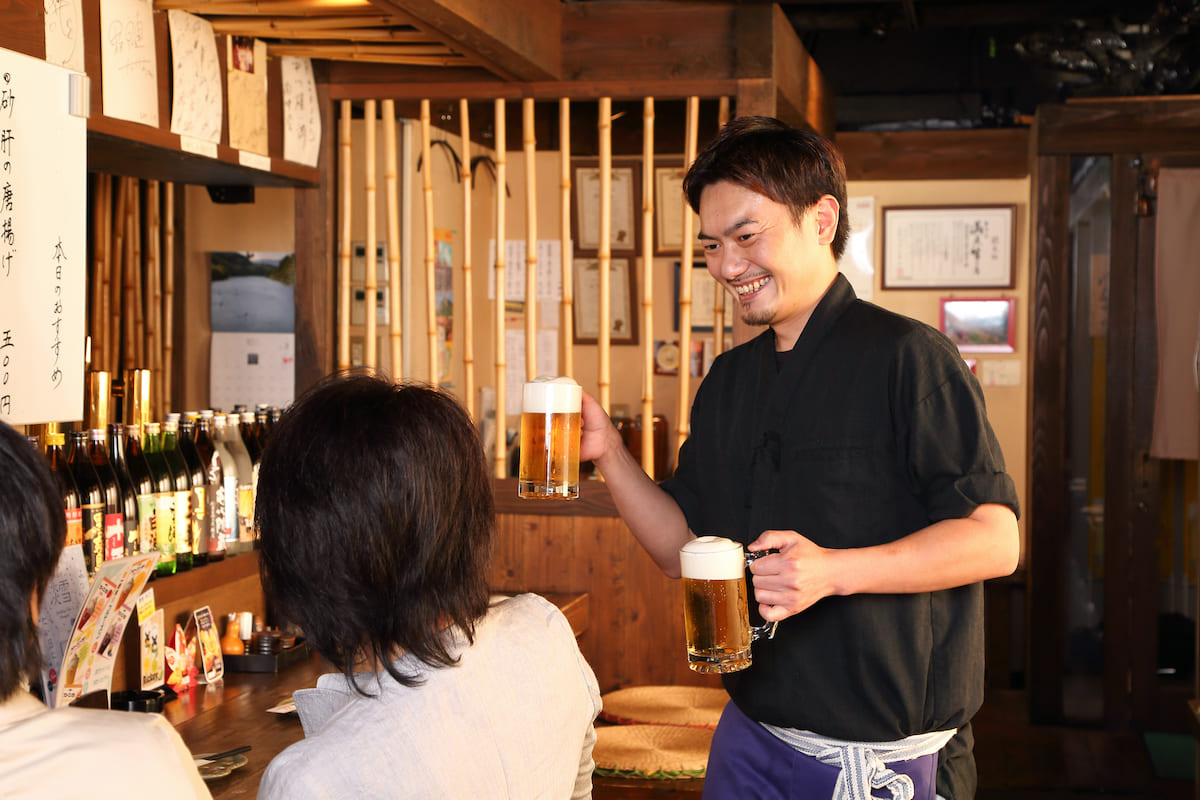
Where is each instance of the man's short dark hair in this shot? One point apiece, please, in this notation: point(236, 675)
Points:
point(790, 166)
point(33, 529)
point(376, 516)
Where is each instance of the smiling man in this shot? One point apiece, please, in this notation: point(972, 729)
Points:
point(855, 442)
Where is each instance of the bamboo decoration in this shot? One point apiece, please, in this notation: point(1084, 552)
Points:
point(152, 296)
point(529, 140)
point(719, 291)
point(430, 247)
point(130, 285)
point(501, 467)
point(604, 255)
point(648, 285)
point(168, 300)
point(392, 206)
point(116, 273)
point(343, 339)
point(133, 210)
point(464, 176)
point(371, 284)
point(567, 328)
point(685, 284)
point(102, 231)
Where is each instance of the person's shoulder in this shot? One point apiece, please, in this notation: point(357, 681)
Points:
point(294, 774)
point(895, 331)
point(526, 608)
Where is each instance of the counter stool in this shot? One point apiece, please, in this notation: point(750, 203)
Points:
point(659, 732)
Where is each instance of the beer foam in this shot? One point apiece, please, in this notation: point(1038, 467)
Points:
point(547, 394)
point(712, 558)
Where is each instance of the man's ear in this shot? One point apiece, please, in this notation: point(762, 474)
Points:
point(827, 213)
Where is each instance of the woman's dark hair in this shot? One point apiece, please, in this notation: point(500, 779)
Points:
point(790, 166)
point(376, 516)
point(33, 529)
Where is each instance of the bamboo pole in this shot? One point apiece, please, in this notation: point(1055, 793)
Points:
point(604, 256)
point(133, 211)
point(152, 296)
point(719, 291)
point(101, 256)
point(391, 181)
point(685, 284)
point(500, 466)
point(648, 285)
point(430, 247)
point(116, 270)
point(567, 329)
point(168, 303)
point(128, 289)
point(468, 316)
point(343, 361)
point(530, 143)
point(371, 284)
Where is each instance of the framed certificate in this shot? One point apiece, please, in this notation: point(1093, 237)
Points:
point(948, 247)
point(622, 320)
point(585, 211)
point(669, 204)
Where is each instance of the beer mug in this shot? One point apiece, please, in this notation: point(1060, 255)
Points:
point(550, 428)
point(716, 614)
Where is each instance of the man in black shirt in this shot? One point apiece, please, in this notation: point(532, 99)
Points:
point(855, 442)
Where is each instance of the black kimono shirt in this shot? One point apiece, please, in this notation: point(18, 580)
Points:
point(871, 428)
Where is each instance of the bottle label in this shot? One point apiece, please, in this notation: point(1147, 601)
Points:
point(93, 536)
point(74, 526)
point(164, 517)
point(245, 513)
point(231, 510)
point(183, 525)
point(199, 519)
point(147, 527)
point(114, 536)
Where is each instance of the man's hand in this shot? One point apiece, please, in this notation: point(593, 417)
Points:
point(792, 580)
point(598, 435)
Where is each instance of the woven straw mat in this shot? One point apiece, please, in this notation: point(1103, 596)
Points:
point(690, 706)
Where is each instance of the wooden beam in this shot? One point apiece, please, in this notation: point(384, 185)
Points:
point(271, 7)
point(1120, 125)
point(768, 49)
point(975, 154)
point(517, 41)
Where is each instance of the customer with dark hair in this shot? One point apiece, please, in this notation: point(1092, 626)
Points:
point(66, 752)
point(376, 516)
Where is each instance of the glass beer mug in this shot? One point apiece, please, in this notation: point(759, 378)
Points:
point(550, 429)
point(716, 614)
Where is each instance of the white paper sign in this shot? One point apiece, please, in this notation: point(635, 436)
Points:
point(60, 605)
point(43, 187)
point(64, 33)
point(196, 77)
point(301, 114)
point(128, 60)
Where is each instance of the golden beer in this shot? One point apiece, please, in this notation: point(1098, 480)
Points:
point(550, 430)
point(718, 624)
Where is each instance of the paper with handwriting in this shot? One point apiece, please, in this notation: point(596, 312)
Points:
point(129, 65)
point(246, 78)
point(301, 115)
point(196, 77)
point(64, 33)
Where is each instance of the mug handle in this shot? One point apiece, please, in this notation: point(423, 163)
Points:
point(767, 629)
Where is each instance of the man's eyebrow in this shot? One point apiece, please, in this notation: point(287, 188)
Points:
point(741, 223)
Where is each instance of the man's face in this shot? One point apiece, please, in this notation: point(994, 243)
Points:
point(776, 270)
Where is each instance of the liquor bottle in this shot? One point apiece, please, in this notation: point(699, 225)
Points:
point(231, 436)
point(197, 505)
point(262, 424)
point(164, 499)
point(143, 488)
point(129, 506)
point(91, 501)
point(247, 427)
point(214, 481)
point(114, 502)
point(232, 526)
point(56, 459)
point(183, 493)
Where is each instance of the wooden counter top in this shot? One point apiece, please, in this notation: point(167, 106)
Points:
point(215, 718)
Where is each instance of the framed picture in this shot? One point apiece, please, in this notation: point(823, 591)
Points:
point(704, 293)
point(623, 328)
point(979, 324)
point(948, 247)
point(585, 207)
point(668, 211)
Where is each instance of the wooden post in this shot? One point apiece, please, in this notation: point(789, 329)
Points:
point(343, 338)
point(371, 282)
point(430, 247)
point(501, 465)
point(685, 284)
point(467, 315)
point(392, 209)
point(567, 329)
point(719, 291)
point(152, 298)
point(648, 285)
point(604, 256)
point(529, 140)
point(168, 301)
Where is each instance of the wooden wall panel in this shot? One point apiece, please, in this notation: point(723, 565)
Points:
point(979, 154)
point(23, 28)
